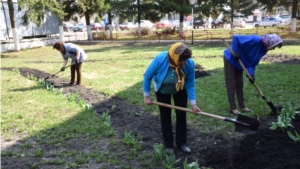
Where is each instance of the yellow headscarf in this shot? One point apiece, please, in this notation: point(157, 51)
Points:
point(174, 52)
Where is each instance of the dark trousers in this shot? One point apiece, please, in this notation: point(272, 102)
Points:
point(76, 68)
point(180, 99)
point(234, 85)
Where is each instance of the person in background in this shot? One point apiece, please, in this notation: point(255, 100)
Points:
point(77, 56)
point(173, 73)
point(249, 49)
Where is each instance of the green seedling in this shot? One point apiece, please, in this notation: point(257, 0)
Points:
point(113, 107)
point(16, 70)
point(32, 164)
point(88, 107)
point(38, 152)
point(105, 117)
point(73, 97)
point(129, 138)
point(81, 103)
point(159, 151)
point(284, 120)
point(193, 165)
point(295, 138)
point(170, 161)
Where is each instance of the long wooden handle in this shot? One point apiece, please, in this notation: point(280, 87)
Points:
point(58, 72)
point(244, 68)
point(189, 110)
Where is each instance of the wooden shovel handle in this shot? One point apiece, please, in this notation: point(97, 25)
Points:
point(244, 68)
point(58, 72)
point(189, 110)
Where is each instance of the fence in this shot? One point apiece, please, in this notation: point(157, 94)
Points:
point(196, 35)
point(150, 36)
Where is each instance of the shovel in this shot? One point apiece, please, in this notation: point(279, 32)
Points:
point(243, 123)
point(56, 72)
point(273, 108)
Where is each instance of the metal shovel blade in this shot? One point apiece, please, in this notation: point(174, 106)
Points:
point(244, 123)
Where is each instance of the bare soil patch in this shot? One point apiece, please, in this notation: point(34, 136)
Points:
point(265, 149)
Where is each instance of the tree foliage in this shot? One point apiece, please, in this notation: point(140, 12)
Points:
point(35, 10)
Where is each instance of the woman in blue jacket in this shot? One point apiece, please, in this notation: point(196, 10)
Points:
point(249, 49)
point(173, 73)
point(77, 56)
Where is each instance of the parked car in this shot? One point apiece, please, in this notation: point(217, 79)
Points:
point(176, 24)
point(163, 24)
point(146, 24)
point(127, 26)
point(68, 26)
point(115, 26)
point(96, 26)
point(268, 22)
point(280, 20)
point(239, 22)
point(79, 27)
point(218, 23)
point(199, 23)
point(286, 18)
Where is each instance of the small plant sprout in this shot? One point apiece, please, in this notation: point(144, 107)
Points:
point(41, 81)
point(159, 151)
point(38, 152)
point(128, 138)
point(285, 118)
point(113, 107)
point(170, 160)
point(81, 103)
point(16, 70)
point(88, 107)
point(32, 164)
point(105, 116)
point(295, 138)
point(193, 165)
point(73, 97)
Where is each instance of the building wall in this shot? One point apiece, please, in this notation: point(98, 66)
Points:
point(50, 25)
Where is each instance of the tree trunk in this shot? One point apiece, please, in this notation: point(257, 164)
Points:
point(294, 12)
point(13, 25)
point(181, 17)
point(139, 19)
point(110, 25)
point(88, 25)
point(61, 29)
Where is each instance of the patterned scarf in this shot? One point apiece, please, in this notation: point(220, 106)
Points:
point(271, 40)
point(173, 56)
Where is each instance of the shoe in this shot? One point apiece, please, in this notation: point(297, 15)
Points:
point(169, 151)
point(185, 148)
point(248, 111)
point(71, 84)
point(230, 111)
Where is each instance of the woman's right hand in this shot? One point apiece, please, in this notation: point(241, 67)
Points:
point(196, 109)
point(148, 100)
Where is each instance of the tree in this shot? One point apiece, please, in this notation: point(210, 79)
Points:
point(97, 19)
point(13, 25)
point(35, 10)
point(85, 8)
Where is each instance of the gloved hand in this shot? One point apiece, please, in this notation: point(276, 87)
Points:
point(236, 56)
point(63, 69)
point(251, 80)
point(77, 61)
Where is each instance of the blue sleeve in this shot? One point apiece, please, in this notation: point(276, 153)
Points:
point(190, 81)
point(148, 76)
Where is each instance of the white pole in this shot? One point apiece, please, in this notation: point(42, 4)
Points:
point(192, 24)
